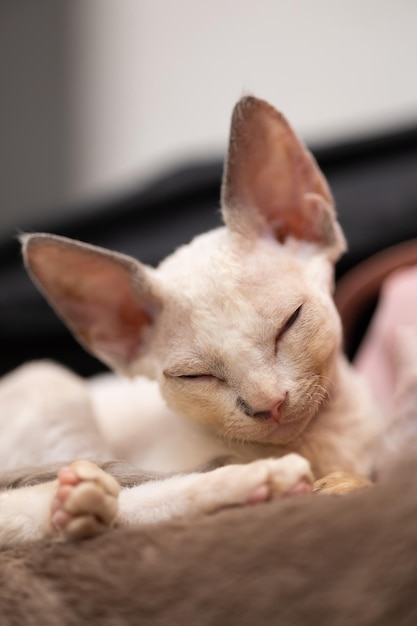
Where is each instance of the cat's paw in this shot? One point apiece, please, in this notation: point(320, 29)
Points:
point(85, 502)
point(260, 481)
point(341, 483)
point(288, 476)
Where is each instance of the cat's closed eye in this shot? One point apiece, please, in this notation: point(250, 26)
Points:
point(191, 376)
point(200, 377)
point(290, 322)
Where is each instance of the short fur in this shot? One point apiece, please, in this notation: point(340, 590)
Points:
point(239, 338)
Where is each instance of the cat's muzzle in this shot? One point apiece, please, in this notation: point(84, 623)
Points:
point(273, 414)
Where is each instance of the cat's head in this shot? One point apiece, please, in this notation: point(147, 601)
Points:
point(239, 326)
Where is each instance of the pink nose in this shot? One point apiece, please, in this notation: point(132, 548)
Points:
point(276, 409)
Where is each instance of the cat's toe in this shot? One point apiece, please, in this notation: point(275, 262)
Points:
point(290, 475)
point(86, 501)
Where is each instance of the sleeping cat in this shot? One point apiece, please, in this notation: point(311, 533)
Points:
point(237, 336)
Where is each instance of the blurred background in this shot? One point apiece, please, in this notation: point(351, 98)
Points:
point(114, 117)
point(99, 96)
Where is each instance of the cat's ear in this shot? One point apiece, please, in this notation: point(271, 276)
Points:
point(105, 298)
point(273, 184)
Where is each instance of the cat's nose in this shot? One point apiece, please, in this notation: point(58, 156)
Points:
point(276, 409)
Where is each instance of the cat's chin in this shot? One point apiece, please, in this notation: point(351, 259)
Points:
point(281, 433)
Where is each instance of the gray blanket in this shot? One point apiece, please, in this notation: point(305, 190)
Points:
point(326, 560)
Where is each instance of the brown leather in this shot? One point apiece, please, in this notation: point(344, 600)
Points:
point(358, 289)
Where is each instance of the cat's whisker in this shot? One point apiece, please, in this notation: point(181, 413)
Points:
point(316, 393)
point(329, 386)
point(327, 379)
point(324, 389)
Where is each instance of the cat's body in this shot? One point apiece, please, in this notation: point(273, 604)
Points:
point(237, 332)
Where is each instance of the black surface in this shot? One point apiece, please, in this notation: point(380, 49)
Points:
point(374, 182)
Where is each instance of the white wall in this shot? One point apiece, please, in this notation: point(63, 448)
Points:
point(99, 94)
point(155, 80)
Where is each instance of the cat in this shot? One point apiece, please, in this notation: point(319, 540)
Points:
point(233, 345)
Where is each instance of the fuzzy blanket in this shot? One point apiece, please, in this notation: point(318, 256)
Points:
point(327, 560)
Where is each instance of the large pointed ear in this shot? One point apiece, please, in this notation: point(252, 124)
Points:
point(106, 299)
point(273, 184)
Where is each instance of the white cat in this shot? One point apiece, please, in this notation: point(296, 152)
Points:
point(239, 339)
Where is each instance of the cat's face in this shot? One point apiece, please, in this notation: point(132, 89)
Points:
point(255, 327)
point(238, 327)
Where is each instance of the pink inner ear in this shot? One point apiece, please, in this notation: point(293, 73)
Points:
point(271, 174)
point(96, 296)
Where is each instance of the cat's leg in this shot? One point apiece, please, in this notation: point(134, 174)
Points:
point(46, 416)
point(232, 485)
point(85, 497)
point(81, 502)
point(25, 514)
point(84, 500)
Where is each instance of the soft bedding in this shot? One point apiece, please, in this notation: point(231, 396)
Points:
point(332, 560)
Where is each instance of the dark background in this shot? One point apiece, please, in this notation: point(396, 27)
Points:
point(374, 182)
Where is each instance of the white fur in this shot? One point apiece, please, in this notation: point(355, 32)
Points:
point(25, 514)
point(223, 308)
point(236, 316)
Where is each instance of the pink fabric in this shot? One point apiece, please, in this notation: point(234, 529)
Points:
point(397, 308)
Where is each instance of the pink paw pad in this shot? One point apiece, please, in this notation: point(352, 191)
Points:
point(67, 479)
point(86, 500)
point(262, 493)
